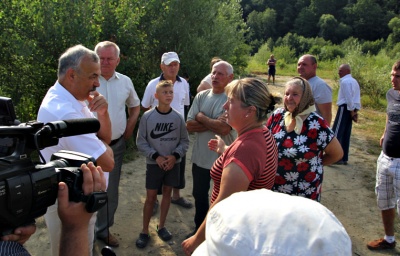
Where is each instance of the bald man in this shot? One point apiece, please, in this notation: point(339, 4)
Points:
point(348, 104)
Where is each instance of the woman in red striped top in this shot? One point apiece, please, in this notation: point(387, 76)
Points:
point(250, 162)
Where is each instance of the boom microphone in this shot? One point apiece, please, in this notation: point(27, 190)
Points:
point(71, 127)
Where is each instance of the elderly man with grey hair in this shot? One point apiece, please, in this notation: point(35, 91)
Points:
point(78, 78)
point(206, 119)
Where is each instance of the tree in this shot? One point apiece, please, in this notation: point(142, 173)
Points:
point(262, 26)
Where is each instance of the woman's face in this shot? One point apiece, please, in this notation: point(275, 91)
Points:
point(234, 111)
point(293, 94)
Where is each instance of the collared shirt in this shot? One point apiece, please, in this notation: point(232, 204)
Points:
point(119, 92)
point(181, 94)
point(60, 104)
point(349, 93)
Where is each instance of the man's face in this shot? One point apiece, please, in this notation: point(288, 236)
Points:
point(220, 77)
point(395, 75)
point(341, 72)
point(306, 68)
point(170, 71)
point(86, 79)
point(109, 61)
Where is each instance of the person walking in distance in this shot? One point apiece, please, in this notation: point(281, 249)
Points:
point(348, 104)
point(307, 69)
point(120, 93)
point(388, 166)
point(271, 68)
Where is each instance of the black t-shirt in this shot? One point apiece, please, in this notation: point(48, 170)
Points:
point(391, 141)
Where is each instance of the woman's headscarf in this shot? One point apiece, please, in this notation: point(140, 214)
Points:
point(305, 107)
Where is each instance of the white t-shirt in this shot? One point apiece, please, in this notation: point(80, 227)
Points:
point(181, 94)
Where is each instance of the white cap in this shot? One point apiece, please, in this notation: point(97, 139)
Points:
point(262, 222)
point(169, 57)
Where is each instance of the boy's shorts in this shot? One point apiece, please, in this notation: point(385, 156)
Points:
point(156, 177)
point(387, 187)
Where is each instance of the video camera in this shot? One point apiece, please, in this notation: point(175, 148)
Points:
point(28, 188)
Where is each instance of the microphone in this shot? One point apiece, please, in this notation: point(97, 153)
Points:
point(70, 127)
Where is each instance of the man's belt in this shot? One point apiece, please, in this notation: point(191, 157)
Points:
point(113, 142)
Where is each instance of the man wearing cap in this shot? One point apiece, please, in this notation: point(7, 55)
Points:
point(170, 65)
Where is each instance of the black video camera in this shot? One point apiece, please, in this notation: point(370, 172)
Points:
point(28, 188)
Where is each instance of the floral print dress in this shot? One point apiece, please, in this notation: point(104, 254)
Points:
point(300, 169)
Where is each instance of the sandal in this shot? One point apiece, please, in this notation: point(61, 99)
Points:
point(182, 202)
point(164, 234)
point(142, 241)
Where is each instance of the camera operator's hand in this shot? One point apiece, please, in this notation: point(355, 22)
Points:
point(21, 234)
point(74, 217)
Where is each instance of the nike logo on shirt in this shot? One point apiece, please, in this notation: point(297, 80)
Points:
point(163, 128)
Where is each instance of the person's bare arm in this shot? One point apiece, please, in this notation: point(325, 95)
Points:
point(217, 126)
point(384, 131)
point(131, 123)
point(326, 111)
point(194, 126)
point(74, 217)
point(98, 104)
point(233, 180)
point(203, 86)
point(106, 160)
point(332, 153)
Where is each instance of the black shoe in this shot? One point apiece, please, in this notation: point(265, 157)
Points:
point(142, 241)
point(155, 208)
point(164, 234)
point(182, 202)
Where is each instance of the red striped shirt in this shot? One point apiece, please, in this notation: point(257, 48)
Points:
point(256, 153)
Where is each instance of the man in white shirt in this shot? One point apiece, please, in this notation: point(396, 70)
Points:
point(348, 104)
point(170, 65)
point(78, 78)
point(307, 69)
point(119, 92)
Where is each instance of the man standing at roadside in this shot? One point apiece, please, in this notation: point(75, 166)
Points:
point(307, 69)
point(388, 166)
point(120, 93)
point(206, 119)
point(78, 78)
point(170, 65)
point(348, 104)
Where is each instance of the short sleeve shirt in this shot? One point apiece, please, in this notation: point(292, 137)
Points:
point(119, 92)
point(181, 94)
point(321, 91)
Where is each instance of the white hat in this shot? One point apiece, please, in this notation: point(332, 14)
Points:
point(262, 222)
point(169, 57)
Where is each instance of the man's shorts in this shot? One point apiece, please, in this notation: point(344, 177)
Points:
point(156, 177)
point(387, 186)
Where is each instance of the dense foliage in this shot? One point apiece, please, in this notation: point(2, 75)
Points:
point(333, 20)
point(35, 33)
point(364, 33)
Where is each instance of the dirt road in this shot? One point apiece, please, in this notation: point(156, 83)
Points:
point(348, 191)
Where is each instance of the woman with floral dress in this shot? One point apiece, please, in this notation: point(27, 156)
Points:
point(305, 143)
